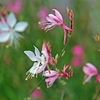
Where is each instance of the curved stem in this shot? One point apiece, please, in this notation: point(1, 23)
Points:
point(63, 50)
point(62, 95)
point(37, 85)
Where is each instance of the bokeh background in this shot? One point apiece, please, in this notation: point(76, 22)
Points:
point(14, 63)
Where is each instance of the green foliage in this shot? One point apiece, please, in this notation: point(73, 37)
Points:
point(14, 63)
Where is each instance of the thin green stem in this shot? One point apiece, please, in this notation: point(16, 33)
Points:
point(65, 90)
point(37, 85)
point(62, 94)
point(64, 49)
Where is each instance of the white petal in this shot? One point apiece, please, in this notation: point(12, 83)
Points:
point(37, 52)
point(4, 27)
point(34, 68)
point(17, 35)
point(11, 20)
point(4, 36)
point(21, 26)
point(88, 78)
point(31, 55)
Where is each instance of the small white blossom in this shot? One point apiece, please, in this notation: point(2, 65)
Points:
point(39, 63)
point(10, 28)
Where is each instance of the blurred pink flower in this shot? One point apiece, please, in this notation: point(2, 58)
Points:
point(76, 61)
point(55, 20)
point(90, 70)
point(42, 13)
point(36, 93)
point(15, 6)
point(77, 50)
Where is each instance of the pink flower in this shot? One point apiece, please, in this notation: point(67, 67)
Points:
point(77, 50)
point(47, 52)
point(42, 13)
point(90, 70)
point(36, 93)
point(55, 20)
point(15, 6)
point(76, 61)
point(51, 77)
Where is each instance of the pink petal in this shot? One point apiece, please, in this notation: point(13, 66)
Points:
point(92, 67)
point(49, 19)
point(86, 70)
point(50, 74)
point(57, 13)
point(54, 17)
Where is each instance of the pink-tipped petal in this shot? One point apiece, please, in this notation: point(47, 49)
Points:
point(57, 13)
point(92, 67)
point(49, 19)
point(50, 74)
point(53, 17)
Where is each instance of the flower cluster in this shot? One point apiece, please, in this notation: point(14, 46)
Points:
point(90, 71)
point(41, 62)
point(43, 59)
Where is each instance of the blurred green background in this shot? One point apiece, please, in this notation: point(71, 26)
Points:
point(14, 63)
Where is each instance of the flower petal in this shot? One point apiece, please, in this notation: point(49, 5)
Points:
point(86, 79)
point(49, 19)
point(57, 13)
point(11, 20)
point(92, 67)
point(37, 52)
point(21, 26)
point(4, 36)
point(53, 17)
point(50, 80)
point(41, 68)
point(31, 55)
point(4, 27)
point(50, 74)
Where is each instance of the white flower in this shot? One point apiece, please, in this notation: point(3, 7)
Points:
point(10, 29)
point(39, 63)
